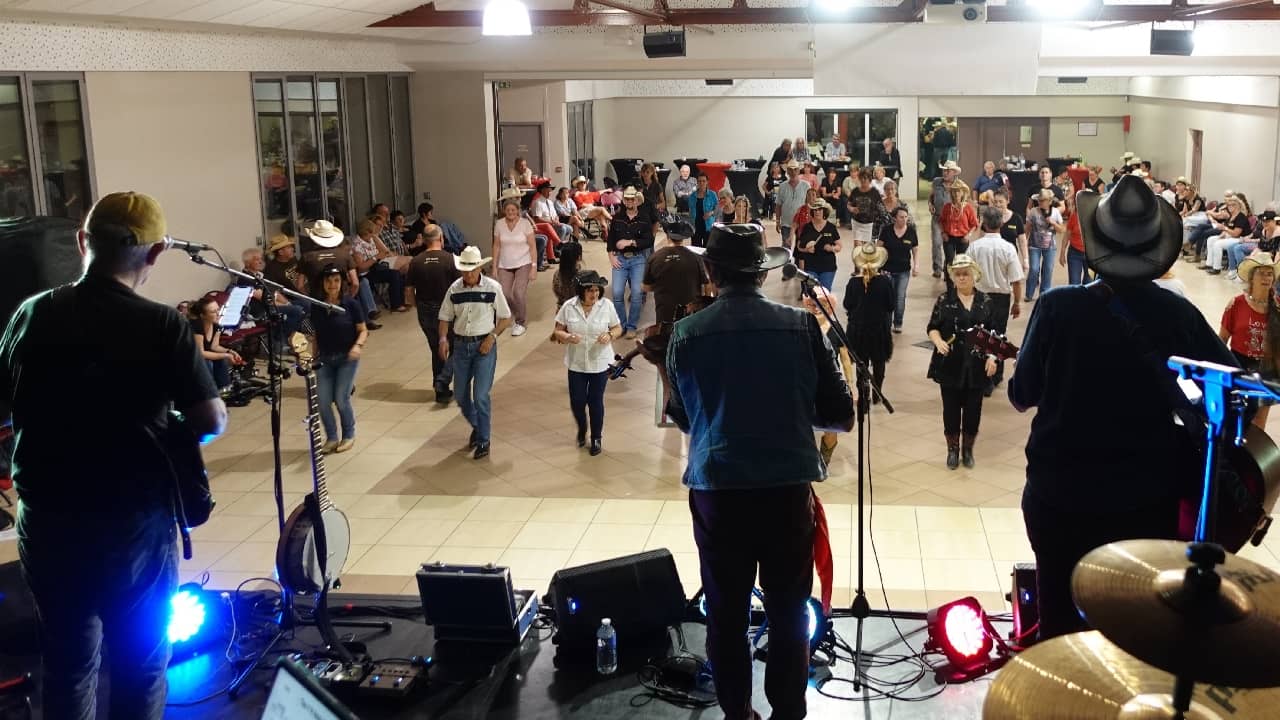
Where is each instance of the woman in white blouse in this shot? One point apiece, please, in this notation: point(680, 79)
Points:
point(514, 249)
point(587, 327)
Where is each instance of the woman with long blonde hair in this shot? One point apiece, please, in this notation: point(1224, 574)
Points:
point(827, 444)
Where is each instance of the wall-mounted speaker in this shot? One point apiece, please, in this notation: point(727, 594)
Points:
point(664, 44)
point(1171, 42)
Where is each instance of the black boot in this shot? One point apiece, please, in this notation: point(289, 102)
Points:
point(582, 437)
point(953, 452)
point(595, 446)
point(966, 450)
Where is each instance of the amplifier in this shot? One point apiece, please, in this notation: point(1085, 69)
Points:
point(1022, 598)
point(475, 603)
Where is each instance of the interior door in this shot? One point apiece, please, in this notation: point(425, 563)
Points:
point(969, 144)
point(521, 140)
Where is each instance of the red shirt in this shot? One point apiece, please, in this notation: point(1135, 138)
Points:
point(1073, 232)
point(1247, 326)
point(958, 222)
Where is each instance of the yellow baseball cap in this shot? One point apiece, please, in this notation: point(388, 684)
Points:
point(138, 212)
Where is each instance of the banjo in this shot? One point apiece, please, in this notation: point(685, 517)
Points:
point(316, 538)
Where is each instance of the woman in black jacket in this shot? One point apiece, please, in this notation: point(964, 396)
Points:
point(957, 367)
point(869, 301)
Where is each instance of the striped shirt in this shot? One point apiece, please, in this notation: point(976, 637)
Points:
point(474, 310)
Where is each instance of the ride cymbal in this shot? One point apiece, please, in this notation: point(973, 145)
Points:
point(1086, 677)
point(1133, 593)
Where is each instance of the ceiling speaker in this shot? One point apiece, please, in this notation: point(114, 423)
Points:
point(1171, 42)
point(664, 44)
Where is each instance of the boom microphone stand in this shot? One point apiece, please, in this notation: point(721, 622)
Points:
point(860, 608)
point(289, 618)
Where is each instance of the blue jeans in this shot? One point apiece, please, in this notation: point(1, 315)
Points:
point(1077, 267)
point(221, 372)
point(900, 280)
point(826, 278)
point(335, 378)
point(115, 588)
point(1040, 270)
point(1199, 236)
point(472, 380)
point(632, 272)
point(586, 392)
point(1239, 252)
point(365, 295)
point(540, 241)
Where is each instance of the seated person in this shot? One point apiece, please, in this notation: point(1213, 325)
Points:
point(520, 176)
point(370, 257)
point(282, 268)
point(412, 242)
point(567, 212)
point(1265, 237)
point(543, 210)
point(390, 236)
point(203, 315)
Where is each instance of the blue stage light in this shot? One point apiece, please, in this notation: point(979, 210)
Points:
point(814, 610)
point(186, 615)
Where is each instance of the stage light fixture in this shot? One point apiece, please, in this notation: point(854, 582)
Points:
point(197, 617)
point(187, 613)
point(506, 17)
point(961, 632)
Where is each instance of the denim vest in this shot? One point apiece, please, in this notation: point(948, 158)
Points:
point(750, 380)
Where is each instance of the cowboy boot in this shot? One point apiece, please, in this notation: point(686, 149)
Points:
point(953, 452)
point(966, 449)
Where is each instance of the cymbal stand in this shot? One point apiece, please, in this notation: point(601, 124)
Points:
point(1200, 586)
point(276, 372)
point(860, 608)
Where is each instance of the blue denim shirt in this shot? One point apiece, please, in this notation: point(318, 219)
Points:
point(750, 380)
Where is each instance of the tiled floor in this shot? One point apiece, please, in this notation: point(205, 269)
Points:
point(538, 503)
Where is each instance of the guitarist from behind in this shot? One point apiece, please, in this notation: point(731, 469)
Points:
point(87, 371)
point(1105, 461)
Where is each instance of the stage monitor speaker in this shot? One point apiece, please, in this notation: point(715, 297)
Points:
point(1171, 42)
point(664, 44)
point(1022, 598)
point(640, 593)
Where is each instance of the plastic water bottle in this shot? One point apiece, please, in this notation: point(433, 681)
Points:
point(606, 648)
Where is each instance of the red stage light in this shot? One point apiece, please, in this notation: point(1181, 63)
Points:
point(960, 631)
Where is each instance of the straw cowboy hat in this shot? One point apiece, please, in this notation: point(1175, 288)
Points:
point(821, 203)
point(870, 255)
point(1045, 194)
point(1257, 259)
point(962, 261)
point(280, 241)
point(741, 247)
point(631, 192)
point(324, 234)
point(792, 165)
point(959, 186)
point(510, 194)
point(950, 165)
point(470, 259)
point(1129, 233)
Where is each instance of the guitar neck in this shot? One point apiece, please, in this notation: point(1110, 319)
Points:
point(317, 457)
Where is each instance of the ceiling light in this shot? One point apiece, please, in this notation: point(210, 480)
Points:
point(506, 17)
point(837, 5)
point(1059, 8)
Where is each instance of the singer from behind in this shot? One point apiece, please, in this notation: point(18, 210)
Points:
point(96, 531)
point(749, 480)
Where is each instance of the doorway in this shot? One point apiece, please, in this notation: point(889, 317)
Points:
point(520, 140)
point(1195, 144)
point(983, 139)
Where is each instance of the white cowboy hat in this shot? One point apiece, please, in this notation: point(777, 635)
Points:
point(1127, 155)
point(792, 165)
point(964, 261)
point(511, 194)
point(631, 192)
point(324, 234)
point(470, 259)
point(579, 179)
point(950, 165)
point(870, 254)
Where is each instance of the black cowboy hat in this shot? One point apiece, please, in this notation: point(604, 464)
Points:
point(1129, 233)
point(740, 246)
point(588, 278)
point(678, 229)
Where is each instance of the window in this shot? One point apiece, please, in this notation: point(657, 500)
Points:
point(581, 138)
point(863, 132)
point(329, 147)
point(42, 135)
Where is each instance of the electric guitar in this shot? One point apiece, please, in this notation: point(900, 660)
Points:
point(989, 342)
point(316, 538)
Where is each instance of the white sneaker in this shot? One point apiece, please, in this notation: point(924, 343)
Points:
point(517, 330)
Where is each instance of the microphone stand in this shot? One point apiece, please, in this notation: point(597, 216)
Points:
point(860, 608)
point(276, 372)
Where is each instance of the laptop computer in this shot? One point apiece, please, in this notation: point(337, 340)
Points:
point(296, 695)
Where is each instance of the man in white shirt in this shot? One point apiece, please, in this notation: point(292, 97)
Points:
point(543, 209)
point(835, 149)
point(1001, 277)
point(791, 195)
point(478, 310)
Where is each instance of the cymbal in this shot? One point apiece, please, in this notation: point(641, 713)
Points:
point(1086, 677)
point(1132, 591)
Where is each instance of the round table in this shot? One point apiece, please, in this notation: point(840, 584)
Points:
point(715, 172)
point(746, 183)
point(1079, 176)
point(626, 170)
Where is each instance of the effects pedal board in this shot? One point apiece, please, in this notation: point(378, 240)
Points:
point(394, 679)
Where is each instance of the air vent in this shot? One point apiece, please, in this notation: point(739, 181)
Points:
point(1072, 80)
point(720, 81)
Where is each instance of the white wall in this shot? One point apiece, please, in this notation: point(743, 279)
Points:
point(1239, 144)
point(188, 139)
point(1103, 149)
point(541, 103)
point(453, 149)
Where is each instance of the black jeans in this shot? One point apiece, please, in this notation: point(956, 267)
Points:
point(961, 410)
point(951, 247)
point(737, 531)
point(429, 321)
point(877, 377)
point(1060, 538)
point(998, 321)
point(586, 392)
point(112, 584)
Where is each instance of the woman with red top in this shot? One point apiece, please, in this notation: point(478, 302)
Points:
point(958, 220)
point(1245, 321)
point(1071, 254)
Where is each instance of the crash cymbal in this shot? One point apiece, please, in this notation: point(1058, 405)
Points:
point(1133, 592)
point(1086, 677)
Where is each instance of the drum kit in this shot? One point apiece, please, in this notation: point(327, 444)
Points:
point(1182, 631)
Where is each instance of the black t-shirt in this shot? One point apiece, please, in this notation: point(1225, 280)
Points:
point(726, 217)
point(86, 371)
point(1190, 205)
point(639, 228)
point(899, 248)
point(865, 206)
point(1012, 228)
point(315, 260)
point(431, 273)
point(283, 273)
point(819, 260)
point(676, 275)
point(830, 188)
point(336, 332)
point(1240, 221)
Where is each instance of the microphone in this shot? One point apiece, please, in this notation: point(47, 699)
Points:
point(790, 271)
point(191, 247)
